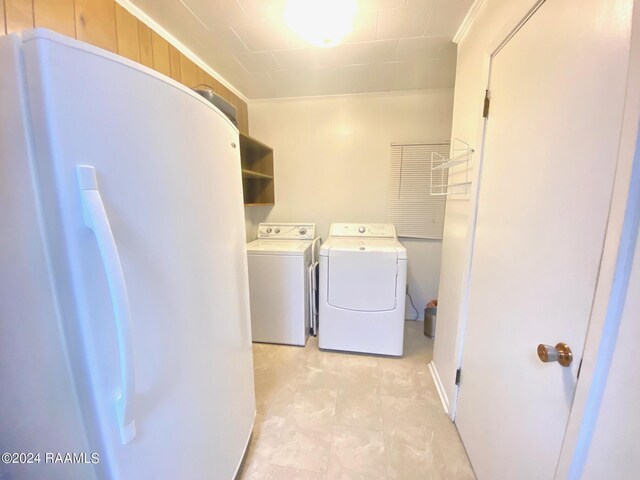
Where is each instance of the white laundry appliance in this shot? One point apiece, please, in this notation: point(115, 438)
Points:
point(124, 296)
point(282, 271)
point(363, 277)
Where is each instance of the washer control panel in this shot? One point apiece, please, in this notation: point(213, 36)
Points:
point(287, 231)
point(378, 230)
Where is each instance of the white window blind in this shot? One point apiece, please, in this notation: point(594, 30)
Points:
point(410, 207)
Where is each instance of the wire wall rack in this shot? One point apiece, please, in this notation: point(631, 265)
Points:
point(444, 180)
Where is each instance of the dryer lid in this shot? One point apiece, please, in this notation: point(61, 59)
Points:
point(367, 245)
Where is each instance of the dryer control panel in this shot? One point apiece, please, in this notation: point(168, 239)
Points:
point(378, 230)
point(287, 231)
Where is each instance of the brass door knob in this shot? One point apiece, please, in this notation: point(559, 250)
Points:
point(561, 353)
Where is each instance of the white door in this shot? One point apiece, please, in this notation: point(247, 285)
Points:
point(557, 90)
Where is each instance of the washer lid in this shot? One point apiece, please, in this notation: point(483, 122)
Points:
point(363, 245)
point(278, 247)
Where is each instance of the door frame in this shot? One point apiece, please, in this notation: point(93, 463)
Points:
point(616, 259)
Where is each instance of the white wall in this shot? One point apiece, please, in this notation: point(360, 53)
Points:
point(493, 21)
point(331, 157)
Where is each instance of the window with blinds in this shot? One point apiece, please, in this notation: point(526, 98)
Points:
point(410, 207)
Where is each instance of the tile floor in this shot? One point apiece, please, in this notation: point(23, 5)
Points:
point(328, 415)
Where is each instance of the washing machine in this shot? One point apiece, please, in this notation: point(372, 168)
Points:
point(282, 265)
point(363, 277)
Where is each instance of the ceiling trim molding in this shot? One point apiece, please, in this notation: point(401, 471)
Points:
point(396, 93)
point(160, 30)
point(468, 20)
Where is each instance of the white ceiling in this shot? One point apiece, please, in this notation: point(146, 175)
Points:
point(395, 45)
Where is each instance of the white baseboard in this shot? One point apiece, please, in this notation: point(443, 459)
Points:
point(439, 388)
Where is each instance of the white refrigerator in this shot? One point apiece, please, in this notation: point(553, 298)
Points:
point(124, 308)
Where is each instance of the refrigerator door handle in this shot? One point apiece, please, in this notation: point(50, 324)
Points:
point(95, 217)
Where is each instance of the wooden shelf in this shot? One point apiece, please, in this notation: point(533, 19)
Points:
point(253, 144)
point(257, 171)
point(251, 174)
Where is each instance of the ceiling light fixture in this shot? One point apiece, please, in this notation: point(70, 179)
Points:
point(323, 23)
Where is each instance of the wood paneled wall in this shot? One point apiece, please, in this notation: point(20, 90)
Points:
point(107, 25)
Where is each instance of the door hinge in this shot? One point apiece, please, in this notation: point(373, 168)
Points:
point(458, 372)
point(487, 104)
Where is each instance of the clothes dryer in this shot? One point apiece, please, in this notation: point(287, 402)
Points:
point(363, 277)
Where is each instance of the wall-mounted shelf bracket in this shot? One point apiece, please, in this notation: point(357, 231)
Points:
point(447, 180)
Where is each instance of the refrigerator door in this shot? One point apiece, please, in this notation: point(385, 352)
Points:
point(39, 407)
point(167, 170)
